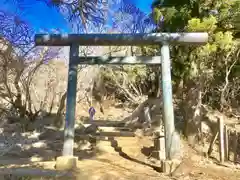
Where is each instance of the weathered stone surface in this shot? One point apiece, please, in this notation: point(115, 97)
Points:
point(66, 162)
point(170, 166)
point(159, 155)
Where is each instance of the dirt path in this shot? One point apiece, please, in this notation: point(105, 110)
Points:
point(108, 164)
point(133, 163)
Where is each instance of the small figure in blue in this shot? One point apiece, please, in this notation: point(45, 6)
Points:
point(91, 112)
point(92, 129)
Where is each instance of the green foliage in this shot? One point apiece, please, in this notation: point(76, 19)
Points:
point(135, 72)
point(224, 40)
point(207, 24)
point(125, 78)
point(221, 19)
point(156, 15)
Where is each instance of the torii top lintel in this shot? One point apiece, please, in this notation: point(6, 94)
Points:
point(195, 38)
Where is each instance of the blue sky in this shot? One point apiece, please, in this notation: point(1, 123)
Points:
point(40, 16)
point(144, 5)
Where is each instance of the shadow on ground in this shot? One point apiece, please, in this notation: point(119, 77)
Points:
point(19, 151)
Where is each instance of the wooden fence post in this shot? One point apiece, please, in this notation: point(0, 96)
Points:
point(221, 139)
point(235, 146)
point(226, 144)
point(213, 140)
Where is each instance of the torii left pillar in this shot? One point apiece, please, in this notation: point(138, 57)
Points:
point(67, 160)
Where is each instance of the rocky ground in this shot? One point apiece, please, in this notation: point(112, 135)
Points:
point(31, 153)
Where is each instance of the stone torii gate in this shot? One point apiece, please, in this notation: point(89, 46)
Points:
point(76, 40)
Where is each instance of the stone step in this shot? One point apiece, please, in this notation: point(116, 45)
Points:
point(114, 129)
point(110, 134)
point(105, 123)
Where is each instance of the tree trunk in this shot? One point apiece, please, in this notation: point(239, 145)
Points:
point(153, 74)
point(192, 111)
point(59, 122)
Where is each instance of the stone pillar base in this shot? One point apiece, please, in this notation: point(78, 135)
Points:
point(66, 162)
point(159, 146)
point(169, 166)
point(159, 155)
